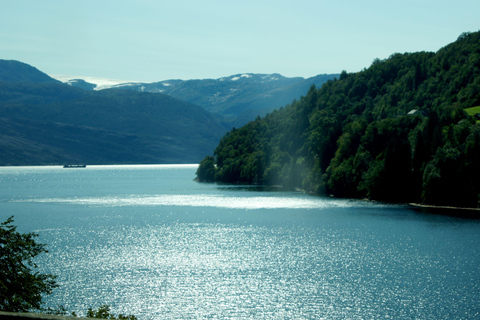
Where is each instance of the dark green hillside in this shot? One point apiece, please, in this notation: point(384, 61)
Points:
point(53, 123)
point(396, 131)
point(16, 71)
point(30, 142)
point(17, 94)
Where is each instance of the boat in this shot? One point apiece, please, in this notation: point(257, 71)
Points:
point(75, 166)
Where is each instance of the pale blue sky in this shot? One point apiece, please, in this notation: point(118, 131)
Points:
point(148, 40)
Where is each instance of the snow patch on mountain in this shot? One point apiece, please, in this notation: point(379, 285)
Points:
point(100, 83)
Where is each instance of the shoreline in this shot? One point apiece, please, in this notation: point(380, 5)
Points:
point(419, 205)
point(459, 212)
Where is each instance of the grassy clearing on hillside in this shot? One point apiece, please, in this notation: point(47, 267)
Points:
point(473, 111)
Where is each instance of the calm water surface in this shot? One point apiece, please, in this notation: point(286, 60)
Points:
point(149, 241)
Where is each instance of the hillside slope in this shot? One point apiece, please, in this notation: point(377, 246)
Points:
point(396, 131)
point(15, 71)
point(49, 122)
point(238, 98)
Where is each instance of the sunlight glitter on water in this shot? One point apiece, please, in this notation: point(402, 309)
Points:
point(152, 242)
point(191, 271)
point(202, 270)
point(204, 200)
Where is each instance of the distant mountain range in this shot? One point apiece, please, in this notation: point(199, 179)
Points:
point(237, 98)
point(45, 121)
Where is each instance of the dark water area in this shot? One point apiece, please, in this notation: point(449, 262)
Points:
point(150, 241)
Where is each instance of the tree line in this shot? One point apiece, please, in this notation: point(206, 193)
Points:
point(396, 131)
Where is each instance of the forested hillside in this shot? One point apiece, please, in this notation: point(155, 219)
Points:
point(396, 131)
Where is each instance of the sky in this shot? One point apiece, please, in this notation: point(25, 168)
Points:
point(155, 40)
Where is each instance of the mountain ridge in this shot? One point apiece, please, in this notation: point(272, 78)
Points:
point(49, 122)
point(16, 71)
point(238, 98)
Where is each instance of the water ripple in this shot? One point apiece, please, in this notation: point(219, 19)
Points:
point(204, 270)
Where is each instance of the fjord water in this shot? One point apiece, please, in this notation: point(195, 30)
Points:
point(150, 241)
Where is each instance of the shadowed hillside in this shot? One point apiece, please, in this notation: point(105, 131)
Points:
point(48, 122)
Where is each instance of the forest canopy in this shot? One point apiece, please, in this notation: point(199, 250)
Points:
point(396, 131)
